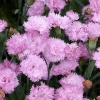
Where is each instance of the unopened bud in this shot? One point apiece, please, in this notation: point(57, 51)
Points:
point(12, 31)
point(2, 94)
point(30, 2)
point(98, 97)
point(92, 43)
point(87, 84)
point(88, 11)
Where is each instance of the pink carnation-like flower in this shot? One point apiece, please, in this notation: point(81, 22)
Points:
point(10, 65)
point(8, 80)
point(37, 8)
point(72, 51)
point(37, 25)
point(76, 32)
point(72, 79)
point(96, 57)
point(54, 49)
point(69, 92)
point(65, 67)
point(93, 30)
point(36, 47)
point(34, 67)
point(55, 5)
point(17, 43)
point(72, 15)
point(3, 25)
point(84, 51)
point(56, 20)
point(42, 92)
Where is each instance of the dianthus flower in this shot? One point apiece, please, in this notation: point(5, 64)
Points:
point(42, 92)
point(10, 65)
point(55, 5)
point(34, 67)
point(76, 32)
point(8, 80)
point(56, 20)
point(36, 47)
point(72, 79)
point(37, 25)
point(72, 15)
point(69, 92)
point(54, 49)
point(93, 30)
point(84, 51)
point(96, 57)
point(3, 25)
point(65, 67)
point(17, 43)
point(37, 8)
point(73, 51)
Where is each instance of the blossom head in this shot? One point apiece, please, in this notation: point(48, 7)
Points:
point(3, 25)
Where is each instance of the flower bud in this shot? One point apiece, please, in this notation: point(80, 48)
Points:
point(98, 97)
point(88, 11)
point(2, 94)
point(92, 43)
point(30, 2)
point(12, 31)
point(87, 84)
point(58, 31)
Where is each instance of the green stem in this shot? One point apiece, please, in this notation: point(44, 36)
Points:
point(50, 66)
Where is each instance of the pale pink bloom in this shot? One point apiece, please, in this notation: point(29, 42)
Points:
point(65, 67)
point(3, 25)
point(72, 79)
point(73, 51)
point(84, 50)
point(76, 32)
point(93, 30)
point(37, 25)
point(10, 65)
point(36, 47)
point(96, 57)
point(17, 43)
point(54, 49)
point(72, 15)
point(34, 67)
point(56, 20)
point(8, 80)
point(37, 8)
point(69, 92)
point(42, 92)
point(55, 5)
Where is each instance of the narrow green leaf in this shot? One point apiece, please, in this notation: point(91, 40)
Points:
point(79, 2)
point(16, 11)
point(95, 76)
point(89, 70)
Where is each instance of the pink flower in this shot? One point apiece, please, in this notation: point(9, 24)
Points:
point(37, 8)
point(42, 92)
point(69, 92)
point(34, 67)
point(54, 49)
point(3, 25)
point(65, 67)
point(84, 51)
point(72, 79)
point(37, 25)
point(35, 48)
point(96, 57)
point(76, 32)
point(10, 65)
point(8, 80)
point(72, 51)
point(72, 15)
point(56, 20)
point(93, 30)
point(17, 43)
point(55, 5)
